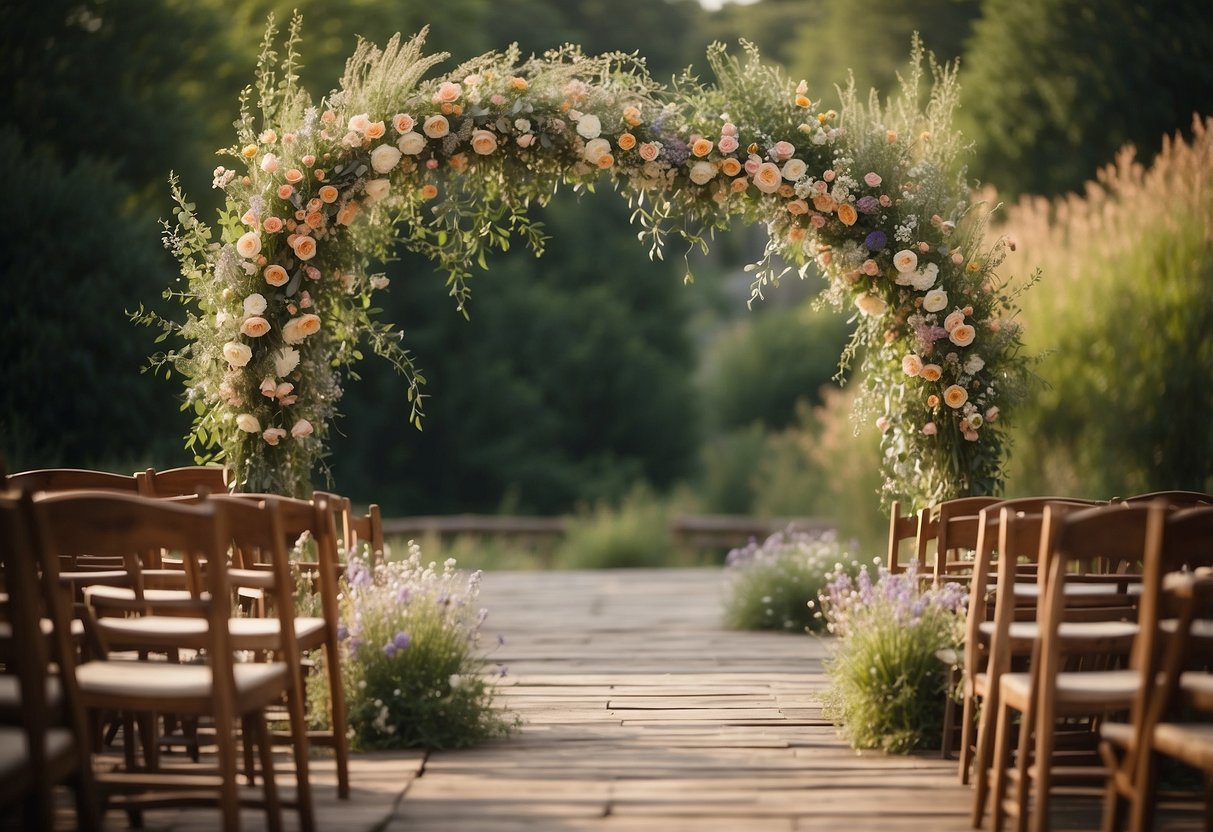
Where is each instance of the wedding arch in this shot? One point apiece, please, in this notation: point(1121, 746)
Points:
point(279, 303)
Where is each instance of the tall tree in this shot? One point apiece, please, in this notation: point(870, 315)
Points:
point(1053, 88)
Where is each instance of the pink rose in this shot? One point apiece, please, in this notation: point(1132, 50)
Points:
point(782, 151)
point(929, 429)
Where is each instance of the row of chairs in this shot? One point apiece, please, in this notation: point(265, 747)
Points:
point(164, 564)
point(1062, 591)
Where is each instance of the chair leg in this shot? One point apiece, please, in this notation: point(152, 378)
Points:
point(966, 736)
point(984, 756)
point(1141, 800)
point(299, 745)
point(1023, 770)
point(255, 730)
point(341, 743)
point(1001, 762)
point(949, 717)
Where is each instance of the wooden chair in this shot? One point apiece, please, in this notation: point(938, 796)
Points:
point(190, 479)
point(1176, 609)
point(1076, 677)
point(221, 688)
point(68, 479)
point(43, 733)
point(983, 585)
point(1174, 499)
point(901, 528)
point(952, 527)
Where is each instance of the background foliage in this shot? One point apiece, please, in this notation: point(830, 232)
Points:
point(530, 412)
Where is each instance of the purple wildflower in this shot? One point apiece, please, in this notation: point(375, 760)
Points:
point(676, 150)
point(876, 240)
point(402, 640)
point(868, 205)
point(389, 649)
point(343, 632)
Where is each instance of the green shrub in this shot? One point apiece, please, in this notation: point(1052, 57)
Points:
point(887, 687)
point(636, 534)
point(412, 669)
point(774, 585)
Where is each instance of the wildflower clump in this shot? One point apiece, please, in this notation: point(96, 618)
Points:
point(411, 665)
point(774, 585)
point(887, 685)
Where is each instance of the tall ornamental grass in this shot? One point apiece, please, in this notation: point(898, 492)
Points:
point(1124, 319)
point(887, 686)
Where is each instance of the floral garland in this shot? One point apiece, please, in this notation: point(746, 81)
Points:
point(277, 308)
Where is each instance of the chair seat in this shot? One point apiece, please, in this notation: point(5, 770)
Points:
point(1024, 633)
point(1191, 742)
point(1079, 692)
point(181, 688)
point(99, 595)
point(1197, 689)
point(167, 631)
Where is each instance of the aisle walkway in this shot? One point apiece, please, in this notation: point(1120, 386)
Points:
point(642, 715)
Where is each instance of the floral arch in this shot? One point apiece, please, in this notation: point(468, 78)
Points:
point(279, 306)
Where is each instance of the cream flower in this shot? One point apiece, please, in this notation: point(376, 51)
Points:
point(268, 386)
point(255, 326)
point(254, 304)
point(905, 260)
point(911, 365)
point(793, 169)
point(955, 396)
point(377, 189)
point(925, 277)
point(974, 364)
point(237, 354)
point(384, 158)
point(935, 300)
point(411, 143)
point(870, 304)
point(297, 329)
point(595, 149)
point(285, 360)
point(436, 127)
point(962, 335)
point(702, 173)
point(249, 245)
point(768, 178)
point(248, 423)
point(484, 142)
point(301, 429)
point(589, 126)
point(269, 163)
point(360, 122)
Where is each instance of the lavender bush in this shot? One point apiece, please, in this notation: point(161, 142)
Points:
point(887, 687)
point(774, 585)
point(413, 671)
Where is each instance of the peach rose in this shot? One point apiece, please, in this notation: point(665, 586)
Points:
point(955, 396)
point(847, 213)
point(429, 191)
point(375, 130)
point(728, 144)
point(249, 245)
point(255, 326)
point(730, 167)
point(932, 401)
point(768, 178)
point(962, 335)
point(347, 212)
point(905, 260)
point(701, 147)
point(297, 329)
point(436, 127)
point(294, 176)
point(272, 435)
point(402, 122)
point(649, 151)
point(301, 429)
point(272, 225)
point(315, 220)
point(631, 115)
point(953, 320)
point(931, 372)
point(626, 141)
point(304, 247)
point(782, 151)
point(268, 386)
point(870, 267)
point(275, 275)
point(740, 184)
point(605, 161)
point(484, 142)
point(448, 91)
point(595, 149)
point(328, 194)
point(824, 203)
point(359, 122)
point(911, 365)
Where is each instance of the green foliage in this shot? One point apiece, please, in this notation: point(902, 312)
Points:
point(633, 534)
point(887, 686)
point(414, 676)
point(1049, 95)
point(775, 585)
point(1125, 321)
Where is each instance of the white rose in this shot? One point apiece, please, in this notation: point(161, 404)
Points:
point(411, 143)
point(522, 125)
point(974, 364)
point(377, 189)
point(589, 126)
point(384, 158)
point(702, 173)
point(595, 149)
point(793, 169)
point(237, 354)
point(905, 260)
point(935, 300)
point(269, 163)
point(248, 423)
point(925, 277)
point(285, 360)
point(249, 245)
point(254, 304)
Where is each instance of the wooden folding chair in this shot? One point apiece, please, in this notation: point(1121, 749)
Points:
point(43, 733)
point(189, 479)
point(216, 687)
point(901, 528)
point(952, 527)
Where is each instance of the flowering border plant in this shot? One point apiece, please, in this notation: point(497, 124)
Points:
point(280, 304)
point(887, 683)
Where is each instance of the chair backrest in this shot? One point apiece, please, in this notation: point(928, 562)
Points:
point(1173, 498)
point(189, 479)
point(901, 528)
point(67, 479)
point(950, 525)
